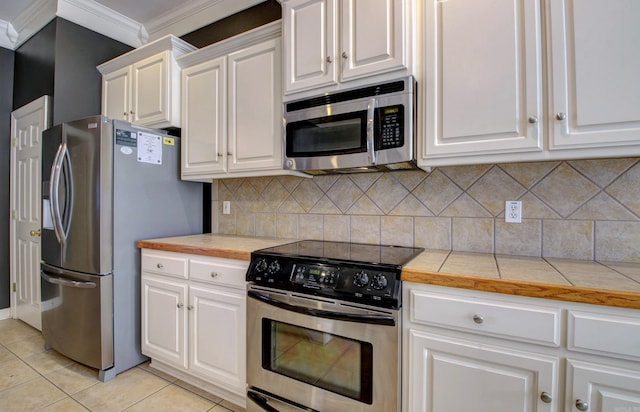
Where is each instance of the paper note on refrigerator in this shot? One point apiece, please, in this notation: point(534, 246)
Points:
point(149, 148)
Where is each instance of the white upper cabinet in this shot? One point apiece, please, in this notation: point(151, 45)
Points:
point(483, 77)
point(143, 85)
point(232, 107)
point(327, 42)
point(254, 102)
point(595, 74)
point(204, 108)
point(484, 99)
point(310, 44)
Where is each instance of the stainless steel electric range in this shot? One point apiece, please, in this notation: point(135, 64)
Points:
point(323, 326)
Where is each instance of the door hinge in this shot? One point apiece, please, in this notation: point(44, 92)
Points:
point(14, 142)
point(14, 287)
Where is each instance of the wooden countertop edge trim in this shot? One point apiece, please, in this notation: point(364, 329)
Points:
point(196, 250)
point(622, 299)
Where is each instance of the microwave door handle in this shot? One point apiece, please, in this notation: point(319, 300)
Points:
point(326, 314)
point(371, 148)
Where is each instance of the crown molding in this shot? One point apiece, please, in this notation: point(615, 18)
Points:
point(94, 16)
point(183, 19)
point(27, 23)
point(193, 15)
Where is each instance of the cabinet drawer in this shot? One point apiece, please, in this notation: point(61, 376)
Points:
point(228, 272)
point(529, 323)
point(165, 263)
point(604, 334)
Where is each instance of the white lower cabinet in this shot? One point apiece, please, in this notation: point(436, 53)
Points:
point(491, 378)
point(193, 320)
point(458, 354)
point(597, 387)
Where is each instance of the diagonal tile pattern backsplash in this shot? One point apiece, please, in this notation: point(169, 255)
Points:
point(584, 209)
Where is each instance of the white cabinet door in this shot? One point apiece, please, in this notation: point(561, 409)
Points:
point(204, 108)
point(372, 37)
point(217, 336)
point(164, 319)
point(255, 107)
point(483, 78)
point(599, 388)
point(150, 90)
point(595, 84)
point(116, 94)
point(310, 44)
point(447, 374)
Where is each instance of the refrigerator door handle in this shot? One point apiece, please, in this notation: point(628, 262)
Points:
point(65, 282)
point(54, 189)
point(65, 218)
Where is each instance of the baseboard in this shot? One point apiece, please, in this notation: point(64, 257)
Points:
point(5, 313)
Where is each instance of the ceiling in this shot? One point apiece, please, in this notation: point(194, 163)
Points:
point(134, 22)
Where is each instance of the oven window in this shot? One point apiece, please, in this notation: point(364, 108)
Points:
point(328, 136)
point(335, 363)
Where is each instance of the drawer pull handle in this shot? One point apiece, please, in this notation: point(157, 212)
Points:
point(545, 397)
point(214, 274)
point(189, 307)
point(159, 265)
point(180, 305)
point(582, 405)
point(478, 319)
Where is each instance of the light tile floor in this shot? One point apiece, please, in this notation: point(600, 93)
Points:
point(34, 379)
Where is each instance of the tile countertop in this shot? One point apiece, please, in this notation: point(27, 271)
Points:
point(599, 283)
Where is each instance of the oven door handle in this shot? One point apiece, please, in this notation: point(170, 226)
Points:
point(326, 314)
point(261, 401)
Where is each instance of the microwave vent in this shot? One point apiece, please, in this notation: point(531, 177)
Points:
point(377, 90)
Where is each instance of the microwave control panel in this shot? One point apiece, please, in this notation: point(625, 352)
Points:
point(390, 121)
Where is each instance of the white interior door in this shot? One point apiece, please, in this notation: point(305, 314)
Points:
point(27, 124)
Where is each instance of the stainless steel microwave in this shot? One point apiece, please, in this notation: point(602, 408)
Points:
point(364, 129)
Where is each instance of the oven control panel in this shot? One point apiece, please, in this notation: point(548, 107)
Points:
point(368, 285)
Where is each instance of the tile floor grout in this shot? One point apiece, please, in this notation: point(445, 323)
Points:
point(38, 380)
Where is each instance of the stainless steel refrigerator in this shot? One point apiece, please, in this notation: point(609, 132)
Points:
point(105, 185)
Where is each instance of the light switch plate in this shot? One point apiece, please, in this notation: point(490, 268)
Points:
point(226, 207)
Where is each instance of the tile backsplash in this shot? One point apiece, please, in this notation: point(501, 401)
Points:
point(586, 209)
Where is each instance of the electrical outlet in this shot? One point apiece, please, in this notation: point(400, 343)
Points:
point(513, 211)
point(226, 207)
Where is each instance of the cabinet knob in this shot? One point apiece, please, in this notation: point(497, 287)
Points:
point(229, 154)
point(214, 274)
point(190, 307)
point(561, 116)
point(344, 55)
point(180, 305)
point(131, 112)
point(545, 397)
point(478, 319)
point(219, 154)
point(582, 405)
point(329, 60)
point(533, 119)
point(159, 265)
point(125, 114)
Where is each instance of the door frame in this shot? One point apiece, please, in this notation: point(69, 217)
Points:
point(40, 104)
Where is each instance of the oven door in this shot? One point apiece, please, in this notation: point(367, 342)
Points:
point(322, 354)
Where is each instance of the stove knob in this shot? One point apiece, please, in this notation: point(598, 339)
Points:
point(379, 281)
point(261, 266)
point(360, 279)
point(274, 267)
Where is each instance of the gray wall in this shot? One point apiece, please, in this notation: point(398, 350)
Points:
point(6, 97)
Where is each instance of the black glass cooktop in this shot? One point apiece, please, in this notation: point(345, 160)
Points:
point(346, 251)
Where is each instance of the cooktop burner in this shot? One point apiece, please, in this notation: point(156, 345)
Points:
point(357, 272)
